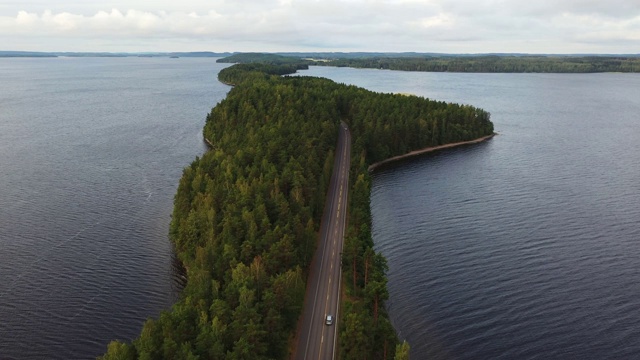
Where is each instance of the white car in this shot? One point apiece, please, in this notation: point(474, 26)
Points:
point(329, 320)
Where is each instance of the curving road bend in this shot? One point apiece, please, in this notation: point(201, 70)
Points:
point(316, 339)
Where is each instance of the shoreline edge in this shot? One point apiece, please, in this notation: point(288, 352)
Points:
point(414, 153)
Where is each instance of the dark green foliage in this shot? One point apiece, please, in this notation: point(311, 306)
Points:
point(119, 351)
point(365, 331)
point(271, 59)
point(247, 213)
point(256, 65)
point(402, 351)
point(386, 125)
point(496, 64)
point(243, 72)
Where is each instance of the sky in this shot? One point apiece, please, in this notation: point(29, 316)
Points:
point(445, 26)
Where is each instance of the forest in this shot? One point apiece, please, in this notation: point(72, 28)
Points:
point(247, 213)
point(262, 58)
point(495, 64)
point(453, 63)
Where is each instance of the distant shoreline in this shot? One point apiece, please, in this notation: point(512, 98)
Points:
point(55, 54)
point(414, 153)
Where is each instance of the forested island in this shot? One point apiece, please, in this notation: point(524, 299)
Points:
point(247, 213)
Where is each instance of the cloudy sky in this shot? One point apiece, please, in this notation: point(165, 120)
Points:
point(453, 26)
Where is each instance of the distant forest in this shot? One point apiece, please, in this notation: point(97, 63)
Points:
point(497, 64)
point(247, 213)
point(466, 63)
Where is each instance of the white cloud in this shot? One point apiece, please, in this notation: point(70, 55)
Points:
point(307, 25)
point(25, 19)
point(437, 21)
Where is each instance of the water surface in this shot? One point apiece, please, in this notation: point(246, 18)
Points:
point(91, 152)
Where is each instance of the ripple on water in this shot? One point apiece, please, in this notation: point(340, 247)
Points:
point(87, 184)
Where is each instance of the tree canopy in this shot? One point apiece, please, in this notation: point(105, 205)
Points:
point(261, 58)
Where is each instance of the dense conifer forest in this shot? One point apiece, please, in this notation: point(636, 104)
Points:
point(247, 213)
point(262, 58)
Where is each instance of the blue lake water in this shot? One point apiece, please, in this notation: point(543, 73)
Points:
point(91, 152)
point(526, 246)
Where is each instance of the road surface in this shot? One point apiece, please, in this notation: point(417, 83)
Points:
point(317, 340)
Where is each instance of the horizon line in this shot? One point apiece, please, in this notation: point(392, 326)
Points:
point(26, 52)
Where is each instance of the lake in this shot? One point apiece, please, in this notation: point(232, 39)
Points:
point(522, 247)
point(91, 152)
point(526, 246)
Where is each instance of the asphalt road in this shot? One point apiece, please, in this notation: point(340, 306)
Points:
point(317, 340)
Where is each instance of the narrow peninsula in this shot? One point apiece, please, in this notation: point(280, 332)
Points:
point(247, 213)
